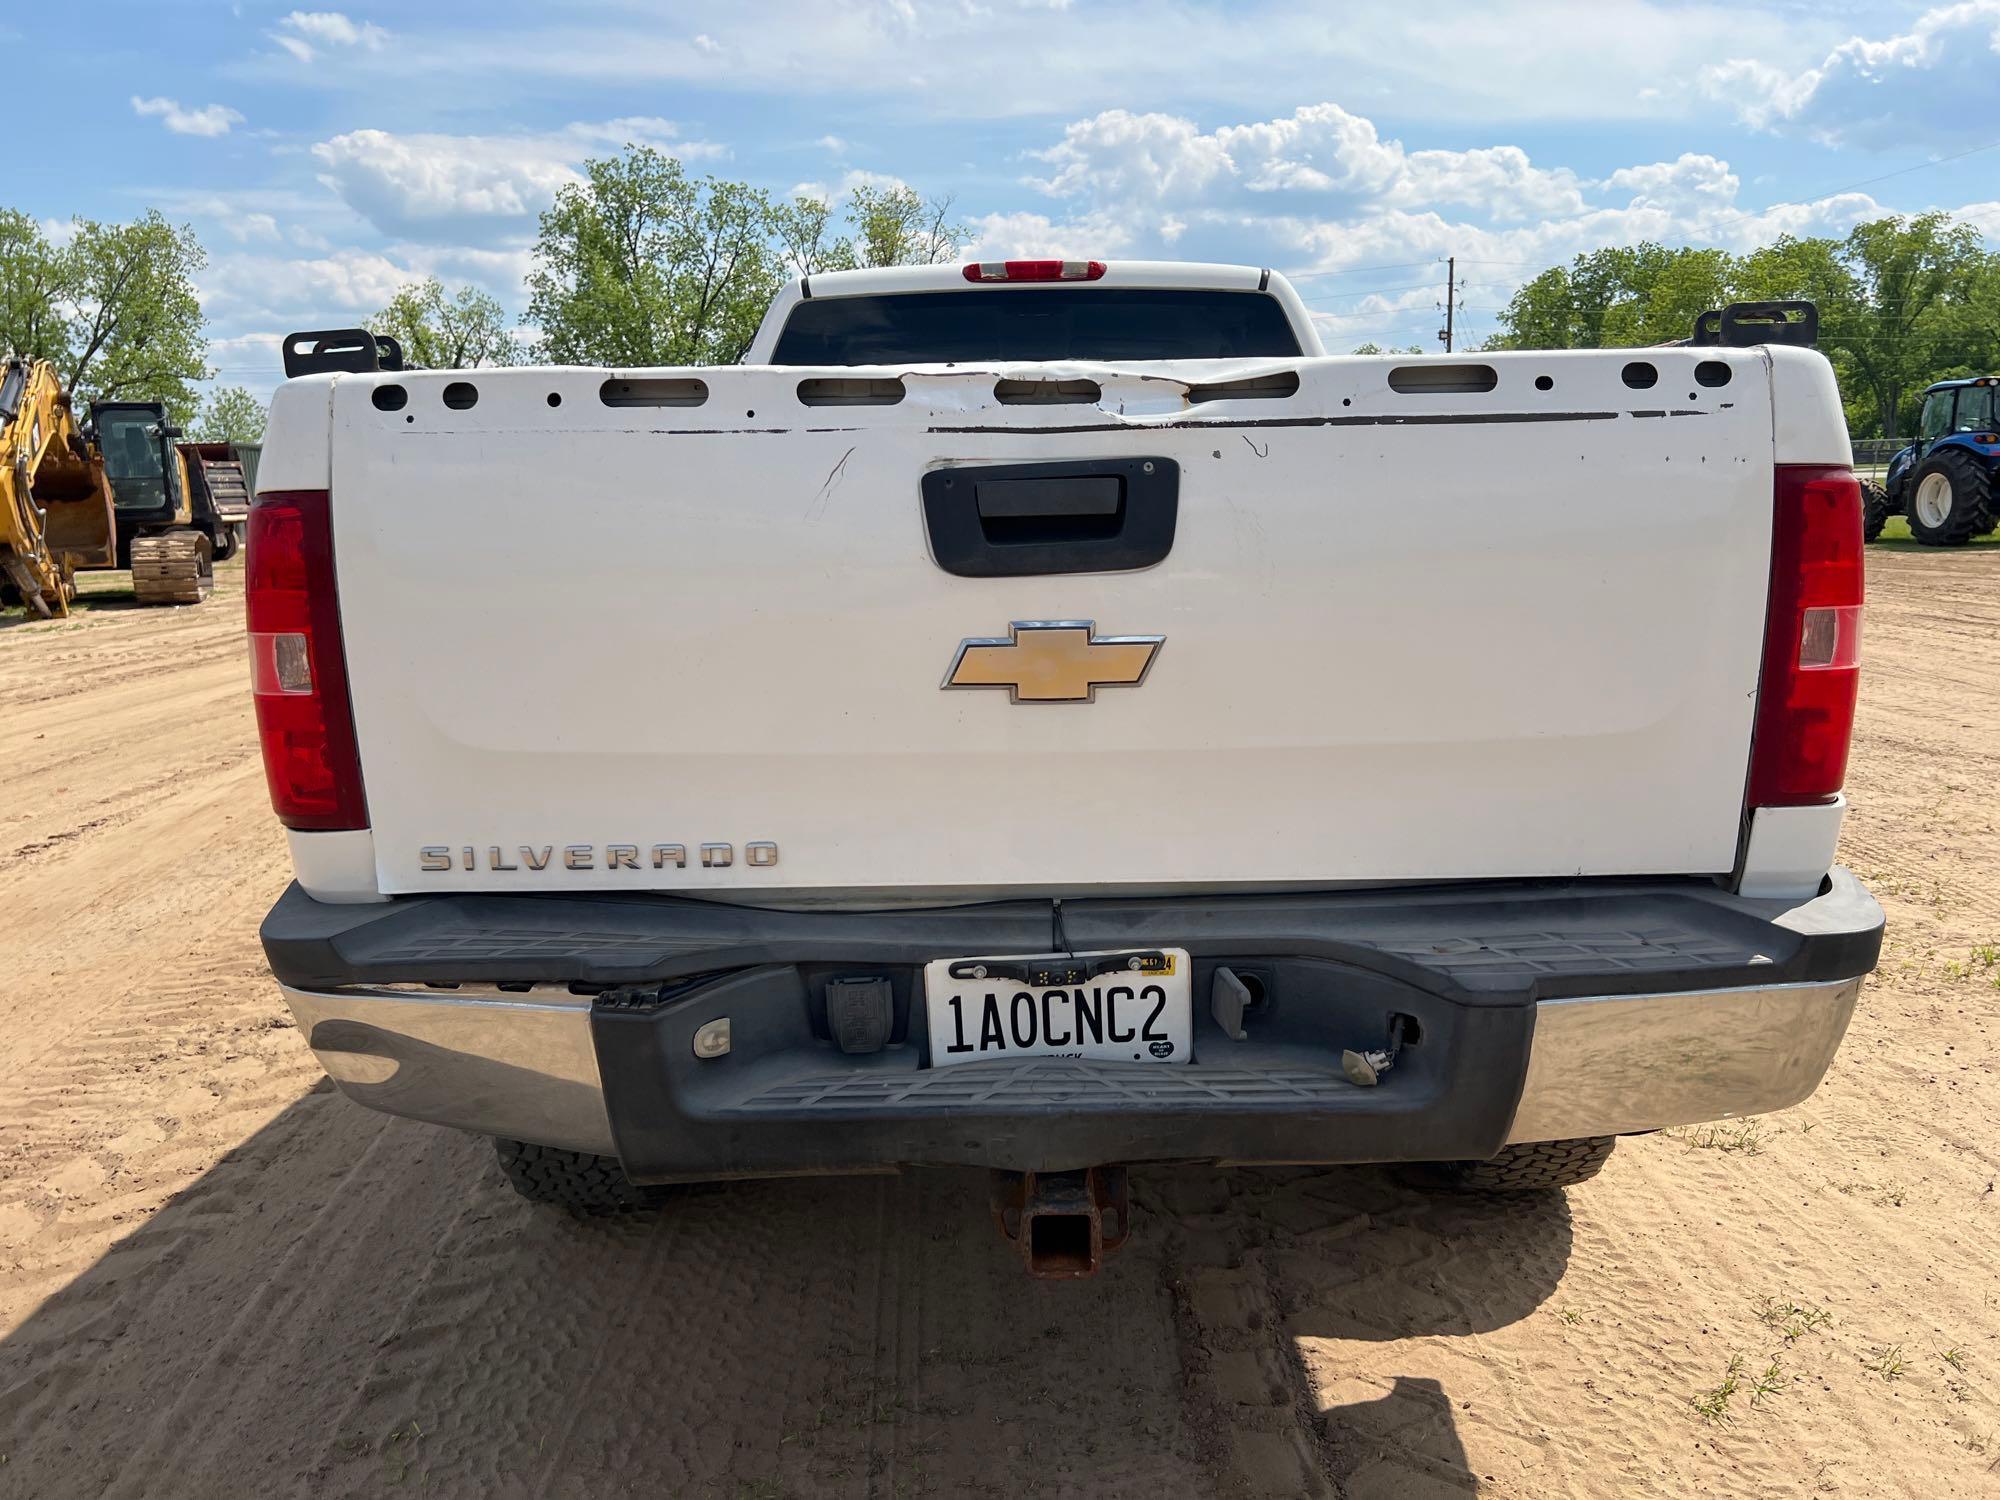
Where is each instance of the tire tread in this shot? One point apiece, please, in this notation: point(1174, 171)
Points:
point(1535, 1166)
point(579, 1181)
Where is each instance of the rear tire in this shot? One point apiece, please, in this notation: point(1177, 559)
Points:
point(1951, 500)
point(1533, 1167)
point(1876, 508)
point(576, 1180)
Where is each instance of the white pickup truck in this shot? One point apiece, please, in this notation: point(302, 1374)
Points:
point(1049, 716)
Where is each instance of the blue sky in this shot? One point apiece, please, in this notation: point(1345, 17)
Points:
point(327, 156)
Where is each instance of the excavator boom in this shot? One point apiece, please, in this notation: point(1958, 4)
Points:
point(55, 504)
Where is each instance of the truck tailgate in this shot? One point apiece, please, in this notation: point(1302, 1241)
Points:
point(1408, 635)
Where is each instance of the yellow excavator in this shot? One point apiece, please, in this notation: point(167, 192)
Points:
point(122, 492)
point(56, 506)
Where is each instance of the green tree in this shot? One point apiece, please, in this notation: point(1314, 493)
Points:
point(439, 332)
point(641, 264)
point(114, 307)
point(888, 227)
point(1636, 294)
point(1815, 270)
point(1919, 274)
point(806, 239)
point(33, 275)
point(1902, 302)
point(230, 415)
point(896, 227)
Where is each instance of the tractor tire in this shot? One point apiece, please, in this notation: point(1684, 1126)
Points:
point(1876, 508)
point(224, 545)
point(172, 567)
point(575, 1180)
point(1535, 1167)
point(1951, 500)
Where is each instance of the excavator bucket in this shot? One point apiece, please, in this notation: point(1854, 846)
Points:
point(78, 524)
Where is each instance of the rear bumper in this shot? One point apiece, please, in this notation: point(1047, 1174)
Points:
point(1544, 1012)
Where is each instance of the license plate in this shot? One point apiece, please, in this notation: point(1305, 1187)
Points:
point(1127, 1006)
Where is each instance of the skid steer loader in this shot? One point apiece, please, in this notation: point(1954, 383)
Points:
point(170, 533)
point(56, 512)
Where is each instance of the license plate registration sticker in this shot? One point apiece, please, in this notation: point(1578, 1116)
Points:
point(1123, 1006)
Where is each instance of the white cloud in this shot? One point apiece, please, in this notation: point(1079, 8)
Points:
point(1501, 60)
point(833, 144)
point(417, 183)
point(1009, 235)
point(1320, 161)
point(446, 186)
point(303, 33)
point(1985, 217)
point(307, 292)
point(880, 181)
point(1925, 84)
point(209, 120)
point(254, 227)
point(1319, 193)
point(1690, 185)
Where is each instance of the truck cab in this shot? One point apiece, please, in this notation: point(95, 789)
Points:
point(149, 486)
point(1035, 310)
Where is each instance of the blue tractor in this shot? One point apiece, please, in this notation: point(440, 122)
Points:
point(1948, 481)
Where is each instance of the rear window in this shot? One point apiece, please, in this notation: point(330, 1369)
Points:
point(1040, 323)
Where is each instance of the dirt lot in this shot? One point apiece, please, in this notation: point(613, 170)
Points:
point(218, 1278)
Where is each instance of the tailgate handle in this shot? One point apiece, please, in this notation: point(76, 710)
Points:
point(1022, 499)
point(1019, 520)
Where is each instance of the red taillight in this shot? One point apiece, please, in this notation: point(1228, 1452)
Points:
point(1034, 270)
point(298, 670)
point(1812, 639)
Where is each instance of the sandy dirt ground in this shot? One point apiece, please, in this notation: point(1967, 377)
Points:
point(219, 1278)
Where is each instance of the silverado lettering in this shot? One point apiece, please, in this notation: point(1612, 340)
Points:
point(437, 858)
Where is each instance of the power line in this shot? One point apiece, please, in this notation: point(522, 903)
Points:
point(1450, 300)
point(1401, 265)
point(1407, 286)
point(1865, 182)
point(1410, 286)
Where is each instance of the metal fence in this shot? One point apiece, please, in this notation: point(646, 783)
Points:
point(1873, 453)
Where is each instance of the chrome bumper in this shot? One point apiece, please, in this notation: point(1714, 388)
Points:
point(1623, 1064)
point(525, 1066)
point(521, 1066)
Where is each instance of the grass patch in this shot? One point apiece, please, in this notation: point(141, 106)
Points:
point(1791, 1320)
point(1896, 536)
point(1713, 1405)
point(1733, 1137)
point(1770, 1383)
point(1888, 1363)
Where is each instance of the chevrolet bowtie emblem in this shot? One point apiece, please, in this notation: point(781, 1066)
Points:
point(1053, 661)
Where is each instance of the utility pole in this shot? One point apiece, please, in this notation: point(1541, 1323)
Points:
point(1450, 295)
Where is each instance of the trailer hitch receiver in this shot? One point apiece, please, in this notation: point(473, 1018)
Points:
point(1064, 1223)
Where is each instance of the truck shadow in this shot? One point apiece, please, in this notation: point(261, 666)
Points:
point(347, 1304)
